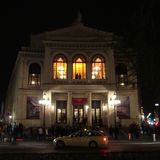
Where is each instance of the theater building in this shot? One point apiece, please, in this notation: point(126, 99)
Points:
point(76, 71)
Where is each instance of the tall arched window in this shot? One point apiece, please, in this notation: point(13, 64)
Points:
point(60, 67)
point(79, 67)
point(34, 74)
point(98, 67)
point(121, 74)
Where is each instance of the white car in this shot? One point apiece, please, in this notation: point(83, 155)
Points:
point(90, 138)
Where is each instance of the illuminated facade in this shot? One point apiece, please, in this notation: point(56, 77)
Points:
point(78, 70)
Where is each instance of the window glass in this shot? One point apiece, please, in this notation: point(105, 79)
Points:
point(79, 67)
point(34, 74)
point(121, 74)
point(60, 67)
point(96, 112)
point(98, 68)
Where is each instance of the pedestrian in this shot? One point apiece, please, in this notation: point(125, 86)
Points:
point(46, 134)
point(111, 131)
point(153, 133)
point(40, 133)
point(116, 132)
point(129, 134)
point(13, 132)
point(2, 133)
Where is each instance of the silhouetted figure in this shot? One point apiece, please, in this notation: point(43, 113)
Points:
point(40, 133)
point(111, 131)
point(13, 132)
point(116, 133)
point(76, 76)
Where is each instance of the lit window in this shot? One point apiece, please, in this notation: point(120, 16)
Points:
point(34, 74)
point(60, 67)
point(98, 68)
point(79, 67)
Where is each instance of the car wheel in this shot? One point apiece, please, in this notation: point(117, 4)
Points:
point(93, 144)
point(60, 144)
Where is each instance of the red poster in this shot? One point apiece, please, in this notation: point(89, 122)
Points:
point(79, 101)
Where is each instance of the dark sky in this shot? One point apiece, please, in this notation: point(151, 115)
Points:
point(21, 18)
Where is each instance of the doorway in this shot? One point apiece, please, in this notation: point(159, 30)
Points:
point(96, 112)
point(78, 114)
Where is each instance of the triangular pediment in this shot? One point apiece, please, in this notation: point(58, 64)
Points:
point(77, 32)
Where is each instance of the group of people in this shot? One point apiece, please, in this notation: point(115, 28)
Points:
point(9, 132)
point(78, 76)
point(134, 131)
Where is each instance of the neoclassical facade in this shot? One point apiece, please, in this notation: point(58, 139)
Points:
point(77, 71)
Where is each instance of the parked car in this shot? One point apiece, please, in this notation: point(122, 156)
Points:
point(82, 138)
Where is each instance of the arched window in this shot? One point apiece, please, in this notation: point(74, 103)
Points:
point(60, 67)
point(121, 74)
point(79, 67)
point(34, 74)
point(98, 67)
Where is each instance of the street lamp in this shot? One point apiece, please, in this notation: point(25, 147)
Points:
point(10, 118)
point(44, 101)
point(156, 104)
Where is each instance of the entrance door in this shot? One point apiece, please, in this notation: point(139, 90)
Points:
point(96, 116)
point(96, 112)
point(78, 114)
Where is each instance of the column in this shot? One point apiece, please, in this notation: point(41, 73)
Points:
point(105, 110)
point(53, 108)
point(90, 109)
point(110, 109)
point(89, 74)
point(69, 71)
point(69, 109)
point(46, 72)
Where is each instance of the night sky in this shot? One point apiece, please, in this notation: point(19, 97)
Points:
point(136, 20)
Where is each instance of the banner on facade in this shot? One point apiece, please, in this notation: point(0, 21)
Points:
point(79, 101)
point(123, 109)
point(33, 108)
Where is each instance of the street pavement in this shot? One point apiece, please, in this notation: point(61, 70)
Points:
point(120, 149)
point(28, 146)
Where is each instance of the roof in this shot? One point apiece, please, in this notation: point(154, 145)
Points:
point(74, 33)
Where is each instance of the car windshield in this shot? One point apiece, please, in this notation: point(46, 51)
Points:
point(87, 133)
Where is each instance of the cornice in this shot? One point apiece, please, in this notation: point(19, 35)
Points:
point(29, 49)
point(78, 45)
point(32, 52)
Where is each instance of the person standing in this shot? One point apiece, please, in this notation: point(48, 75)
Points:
point(111, 131)
point(116, 133)
point(40, 133)
point(13, 132)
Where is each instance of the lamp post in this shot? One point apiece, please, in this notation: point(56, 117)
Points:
point(156, 105)
point(156, 114)
point(10, 118)
point(44, 101)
